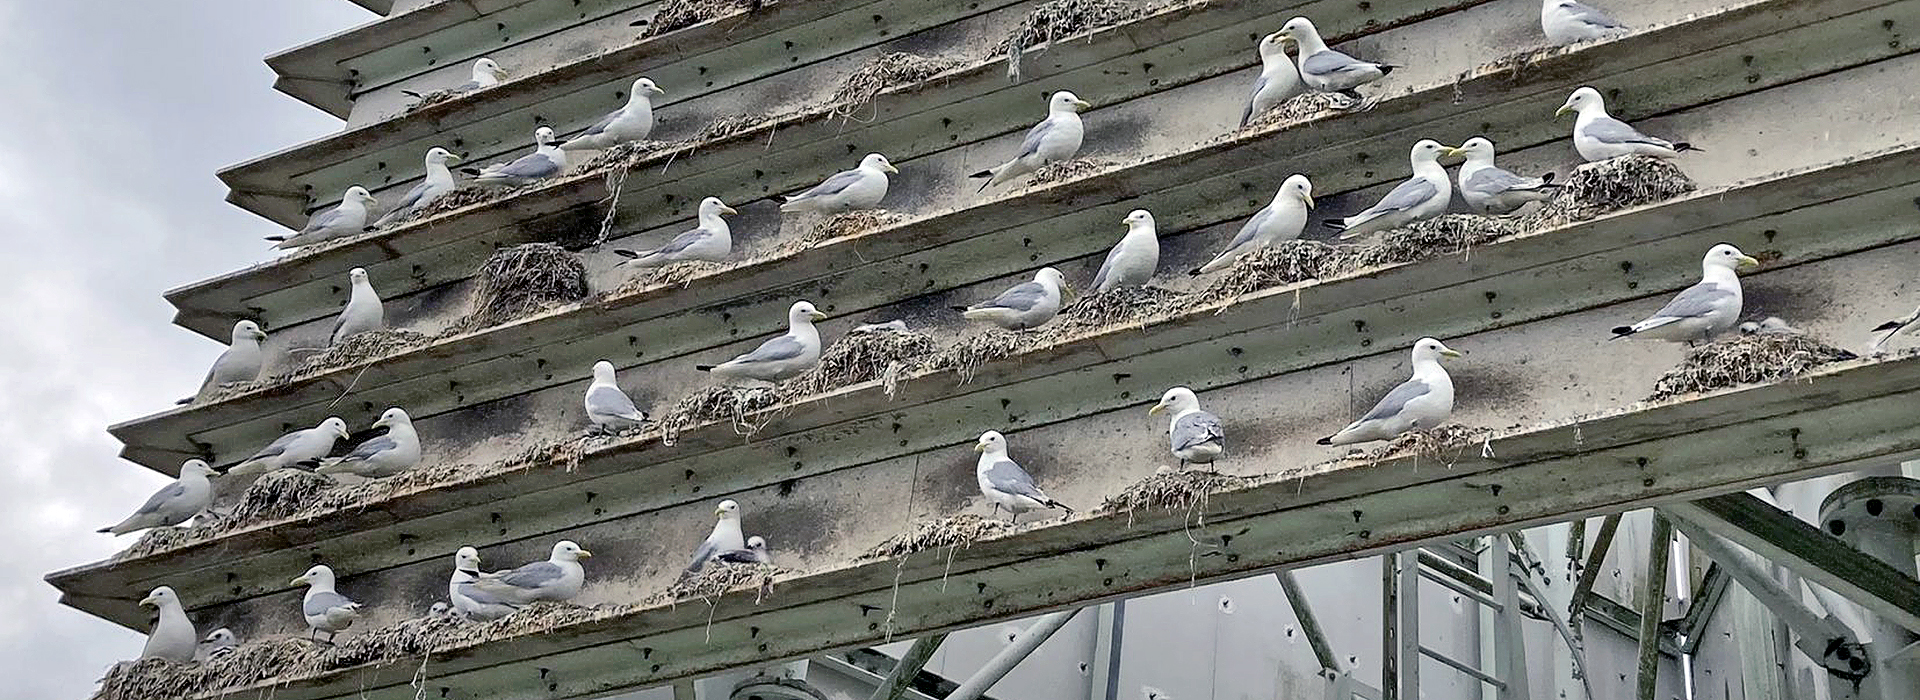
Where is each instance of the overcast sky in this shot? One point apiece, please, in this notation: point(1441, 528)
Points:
point(117, 114)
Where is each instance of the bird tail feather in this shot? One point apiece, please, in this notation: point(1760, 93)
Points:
point(1683, 147)
point(704, 368)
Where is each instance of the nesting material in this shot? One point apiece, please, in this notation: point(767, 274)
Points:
point(625, 155)
point(967, 356)
point(864, 356)
point(1059, 19)
point(1173, 489)
point(523, 280)
point(355, 349)
point(276, 495)
point(431, 98)
point(161, 539)
point(1125, 306)
point(1445, 444)
point(1301, 107)
point(840, 226)
point(730, 125)
point(1746, 359)
point(675, 15)
point(1063, 170)
point(1284, 263)
point(953, 532)
point(1446, 234)
point(884, 72)
point(1618, 183)
point(734, 404)
point(458, 199)
point(718, 578)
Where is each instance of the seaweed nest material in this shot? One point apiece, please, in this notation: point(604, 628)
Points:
point(967, 356)
point(842, 225)
point(431, 98)
point(458, 199)
point(1059, 19)
point(625, 155)
point(1618, 183)
point(1173, 489)
point(883, 72)
point(1123, 306)
point(863, 356)
point(1301, 107)
point(1746, 359)
point(522, 280)
point(1446, 444)
point(354, 349)
point(730, 125)
point(276, 495)
point(953, 532)
point(1063, 170)
point(675, 15)
point(1445, 234)
point(734, 404)
point(718, 578)
point(1286, 262)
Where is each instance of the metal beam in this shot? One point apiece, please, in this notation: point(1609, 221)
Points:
point(1309, 623)
point(1817, 636)
point(903, 674)
point(1653, 599)
point(1002, 663)
point(1590, 572)
point(1510, 639)
point(1576, 649)
point(1816, 556)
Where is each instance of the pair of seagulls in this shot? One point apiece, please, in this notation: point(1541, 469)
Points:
point(173, 637)
point(491, 596)
point(1028, 305)
point(379, 457)
point(631, 122)
point(244, 357)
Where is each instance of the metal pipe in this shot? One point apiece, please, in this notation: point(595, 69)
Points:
point(1408, 631)
point(1459, 586)
point(1389, 637)
point(901, 677)
point(1653, 600)
point(1509, 642)
point(1590, 572)
point(1002, 663)
point(1309, 624)
point(1463, 667)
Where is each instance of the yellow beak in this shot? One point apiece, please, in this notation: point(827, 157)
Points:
point(298, 581)
point(1748, 261)
point(892, 169)
point(1157, 408)
point(656, 90)
point(1083, 104)
point(1564, 109)
point(1450, 352)
point(979, 447)
point(585, 553)
point(149, 602)
point(453, 158)
point(718, 512)
point(727, 210)
point(1308, 199)
point(1452, 152)
point(817, 316)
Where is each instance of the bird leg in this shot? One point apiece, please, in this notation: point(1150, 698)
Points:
point(1013, 517)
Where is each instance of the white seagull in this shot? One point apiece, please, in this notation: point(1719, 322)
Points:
point(238, 364)
point(1599, 137)
point(437, 183)
point(1283, 219)
point(1194, 435)
point(1701, 311)
point(1132, 261)
point(1004, 483)
point(466, 570)
point(1023, 306)
point(1279, 79)
point(485, 74)
point(607, 406)
point(726, 535)
point(781, 358)
point(1569, 22)
point(173, 504)
point(630, 123)
point(546, 161)
point(172, 638)
point(1420, 403)
point(325, 610)
point(300, 447)
point(1325, 69)
point(364, 311)
point(1421, 197)
point(860, 188)
point(1488, 189)
point(1054, 139)
point(346, 219)
point(383, 456)
point(711, 241)
point(558, 579)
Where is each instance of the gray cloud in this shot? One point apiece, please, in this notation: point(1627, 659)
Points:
point(117, 115)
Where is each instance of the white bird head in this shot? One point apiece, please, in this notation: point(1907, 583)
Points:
point(393, 417)
point(1273, 46)
point(320, 576)
point(487, 68)
point(222, 637)
point(645, 86)
point(1300, 30)
point(160, 597)
point(875, 161)
point(543, 136)
point(1726, 256)
point(1298, 187)
point(1177, 400)
point(1431, 350)
point(566, 550)
point(757, 543)
point(1051, 276)
point(1426, 151)
point(357, 275)
point(335, 425)
point(1064, 101)
point(991, 442)
point(603, 372)
point(467, 559)
point(195, 467)
point(712, 206)
point(1583, 100)
point(248, 330)
point(441, 156)
point(1138, 218)
point(803, 312)
point(358, 195)
point(727, 510)
point(1476, 148)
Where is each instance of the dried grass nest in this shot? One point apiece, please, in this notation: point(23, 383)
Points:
point(1173, 489)
point(865, 355)
point(1447, 444)
point(882, 73)
point(950, 533)
point(1063, 170)
point(460, 198)
point(431, 98)
point(1059, 19)
point(625, 155)
point(1746, 359)
point(522, 280)
point(352, 350)
point(841, 225)
point(719, 578)
point(675, 15)
point(1301, 107)
point(735, 404)
point(294, 657)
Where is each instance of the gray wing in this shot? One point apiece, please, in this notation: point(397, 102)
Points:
point(1697, 300)
point(739, 556)
point(1022, 297)
point(1007, 477)
point(785, 347)
point(531, 576)
point(610, 401)
point(1246, 114)
point(1406, 196)
point(537, 165)
point(600, 126)
point(1251, 228)
point(1196, 429)
point(1396, 400)
point(1610, 130)
point(324, 219)
point(320, 603)
point(1106, 266)
point(701, 555)
point(1592, 15)
point(1329, 62)
point(372, 447)
point(481, 595)
point(1493, 181)
point(468, 86)
point(1031, 144)
point(277, 447)
point(682, 241)
point(160, 498)
point(833, 185)
point(412, 199)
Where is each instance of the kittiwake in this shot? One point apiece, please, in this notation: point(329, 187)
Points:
point(1283, 219)
point(781, 358)
point(609, 408)
point(1054, 139)
point(298, 448)
point(1420, 403)
point(364, 311)
point(546, 161)
point(382, 456)
point(726, 535)
point(345, 219)
point(1005, 483)
point(1599, 137)
point(1279, 79)
point(172, 638)
point(437, 183)
point(711, 241)
point(558, 579)
point(1488, 189)
point(324, 609)
point(860, 188)
point(1132, 261)
point(1421, 197)
point(1325, 69)
point(1703, 310)
point(1023, 306)
point(1194, 435)
point(173, 504)
point(1569, 22)
point(632, 122)
point(238, 364)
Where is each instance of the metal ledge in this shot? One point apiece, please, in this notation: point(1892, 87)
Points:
point(316, 72)
point(1827, 421)
point(1854, 206)
point(962, 107)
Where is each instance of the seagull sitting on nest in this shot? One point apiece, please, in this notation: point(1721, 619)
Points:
point(1023, 306)
point(1703, 310)
point(558, 579)
point(1327, 70)
point(860, 188)
point(1283, 219)
point(346, 219)
point(632, 122)
point(726, 535)
point(1420, 403)
point(1421, 197)
point(239, 363)
point(1054, 139)
point(176, 503)
point(1599, 137)
point(607, 406)
point(781, 358)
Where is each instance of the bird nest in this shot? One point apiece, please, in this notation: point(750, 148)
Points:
point(675, 15)
point(1618, 183)
point(431, 98)
point(625, 155)
point(840, 226)
point(1746, 359)
point(1299, 108)
point(949, 533)
point(735, 404)
point(729, 125)
point(523, 280)
point(1124, 306)
point(1063, 170)
point(1059, 19)
point(1286, 262)
point(719, 578)
point(352, 350)
point(864, 356)
point(1445, 444)
point(460, 198)
point(883, 72)
point(1184, 490)
point(967, 356)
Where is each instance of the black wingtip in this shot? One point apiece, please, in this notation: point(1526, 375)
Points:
point(1386, 68)
point(983, 173)
point(1547, 179)
point(471, 171)
point(276, 239)
point(183, 402)
point(1622, 332)
point(1195, 272)
point(1890, 325)
point(622, 252)
point(984, 186)
point(1683, 147)
point(1328, 440)
point(704, 368)
point(411, 93)
point(105, 529)
point(958, 308)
